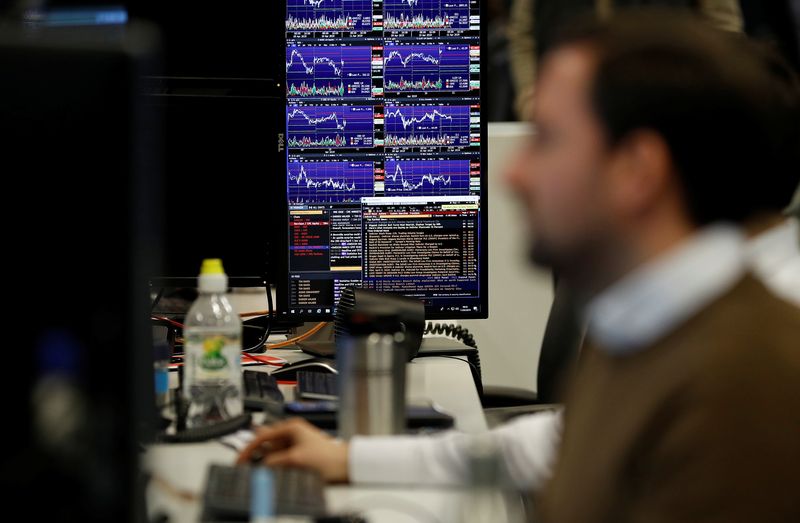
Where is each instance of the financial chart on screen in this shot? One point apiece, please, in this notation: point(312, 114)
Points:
point(385, 159)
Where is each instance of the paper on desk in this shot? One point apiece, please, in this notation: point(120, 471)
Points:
point(238, 440)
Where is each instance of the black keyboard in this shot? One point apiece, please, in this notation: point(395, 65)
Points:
point(226, 497)
point(261, 391)
point(317, 385)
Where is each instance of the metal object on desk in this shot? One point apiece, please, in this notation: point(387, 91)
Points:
point(372, 375)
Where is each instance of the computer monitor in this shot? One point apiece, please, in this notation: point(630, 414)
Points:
point(221, 171)
point(222, 113)
point(79, 241)
point(231, 39)
point(385, 183)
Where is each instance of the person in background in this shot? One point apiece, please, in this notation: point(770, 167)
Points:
point(685, 402)
point(534, 23)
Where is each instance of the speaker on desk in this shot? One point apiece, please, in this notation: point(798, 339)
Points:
point(410, 311)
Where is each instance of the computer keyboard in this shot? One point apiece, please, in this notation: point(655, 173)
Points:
point(261, 390)
point(317, 385)
point(226, 497)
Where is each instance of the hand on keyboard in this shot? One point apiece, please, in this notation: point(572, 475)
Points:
point(297, 443)
point(228, 489)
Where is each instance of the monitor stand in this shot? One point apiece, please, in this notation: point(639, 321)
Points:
point(322, 344)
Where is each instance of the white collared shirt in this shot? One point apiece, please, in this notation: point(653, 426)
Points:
point(527, 445)
point(652, 300)
point(634, 312)
point(774, 256)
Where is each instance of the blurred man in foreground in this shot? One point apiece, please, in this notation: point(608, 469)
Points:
point(671, 124)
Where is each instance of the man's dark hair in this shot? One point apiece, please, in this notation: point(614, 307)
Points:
point(728, 115)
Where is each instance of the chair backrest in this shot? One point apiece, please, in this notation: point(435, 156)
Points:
point(563, 336)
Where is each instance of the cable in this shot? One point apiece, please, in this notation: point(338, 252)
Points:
point(474, 362)
point(452, 330)
point(170, 321)
point(291, 341)
point(464, 336)
point(473, 367)
point(157, 299)
point(258, 347)
point(270, 310)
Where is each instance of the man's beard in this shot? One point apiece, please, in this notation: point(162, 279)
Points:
point(542, 255)
point(571, 263)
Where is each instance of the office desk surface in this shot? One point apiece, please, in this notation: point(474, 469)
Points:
point(178, 470)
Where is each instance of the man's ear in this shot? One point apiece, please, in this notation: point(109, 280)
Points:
point(643, 171)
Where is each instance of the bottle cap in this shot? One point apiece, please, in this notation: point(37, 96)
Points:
point(212, 276)
point(212, 266)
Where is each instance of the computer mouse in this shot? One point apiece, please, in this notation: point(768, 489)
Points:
point(289, 371)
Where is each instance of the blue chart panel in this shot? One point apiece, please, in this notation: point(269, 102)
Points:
point(421, 126)
point(426, 68)
point(426, 178)
point(325, 127)
point(328, 72)
point(330, 181)
point(329, 15)
point(414, 15)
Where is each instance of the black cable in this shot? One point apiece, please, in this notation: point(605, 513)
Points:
point(474, 368)
point(259, 344)
point(475, 362)
point(258, 347)
point(270, 310)
point(464, 336)
point(454, 331)
point(157, 299)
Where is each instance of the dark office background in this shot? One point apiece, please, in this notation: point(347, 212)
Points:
point(225, 39)
point(500, 88)
point(776, 22)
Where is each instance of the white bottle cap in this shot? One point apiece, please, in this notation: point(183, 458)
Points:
point(212, 277)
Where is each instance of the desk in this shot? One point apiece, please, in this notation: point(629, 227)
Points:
point(445, 381)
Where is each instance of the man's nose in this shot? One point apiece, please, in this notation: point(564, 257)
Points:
point(517, 168)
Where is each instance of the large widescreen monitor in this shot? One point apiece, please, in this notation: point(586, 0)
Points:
point(385, 155)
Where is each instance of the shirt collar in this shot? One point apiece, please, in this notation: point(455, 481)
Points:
point(774, 256)
point(773, 248)
point(654, 299)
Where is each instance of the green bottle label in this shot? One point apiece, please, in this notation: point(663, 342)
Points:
point(213, 359)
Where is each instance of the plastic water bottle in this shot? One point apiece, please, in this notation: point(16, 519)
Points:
point(212, 381)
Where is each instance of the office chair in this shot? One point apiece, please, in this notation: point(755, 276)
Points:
point(561, 343)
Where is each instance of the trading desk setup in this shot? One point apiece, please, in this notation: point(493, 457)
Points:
point(384, 188)
point(358, 160)
point(178, 471)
